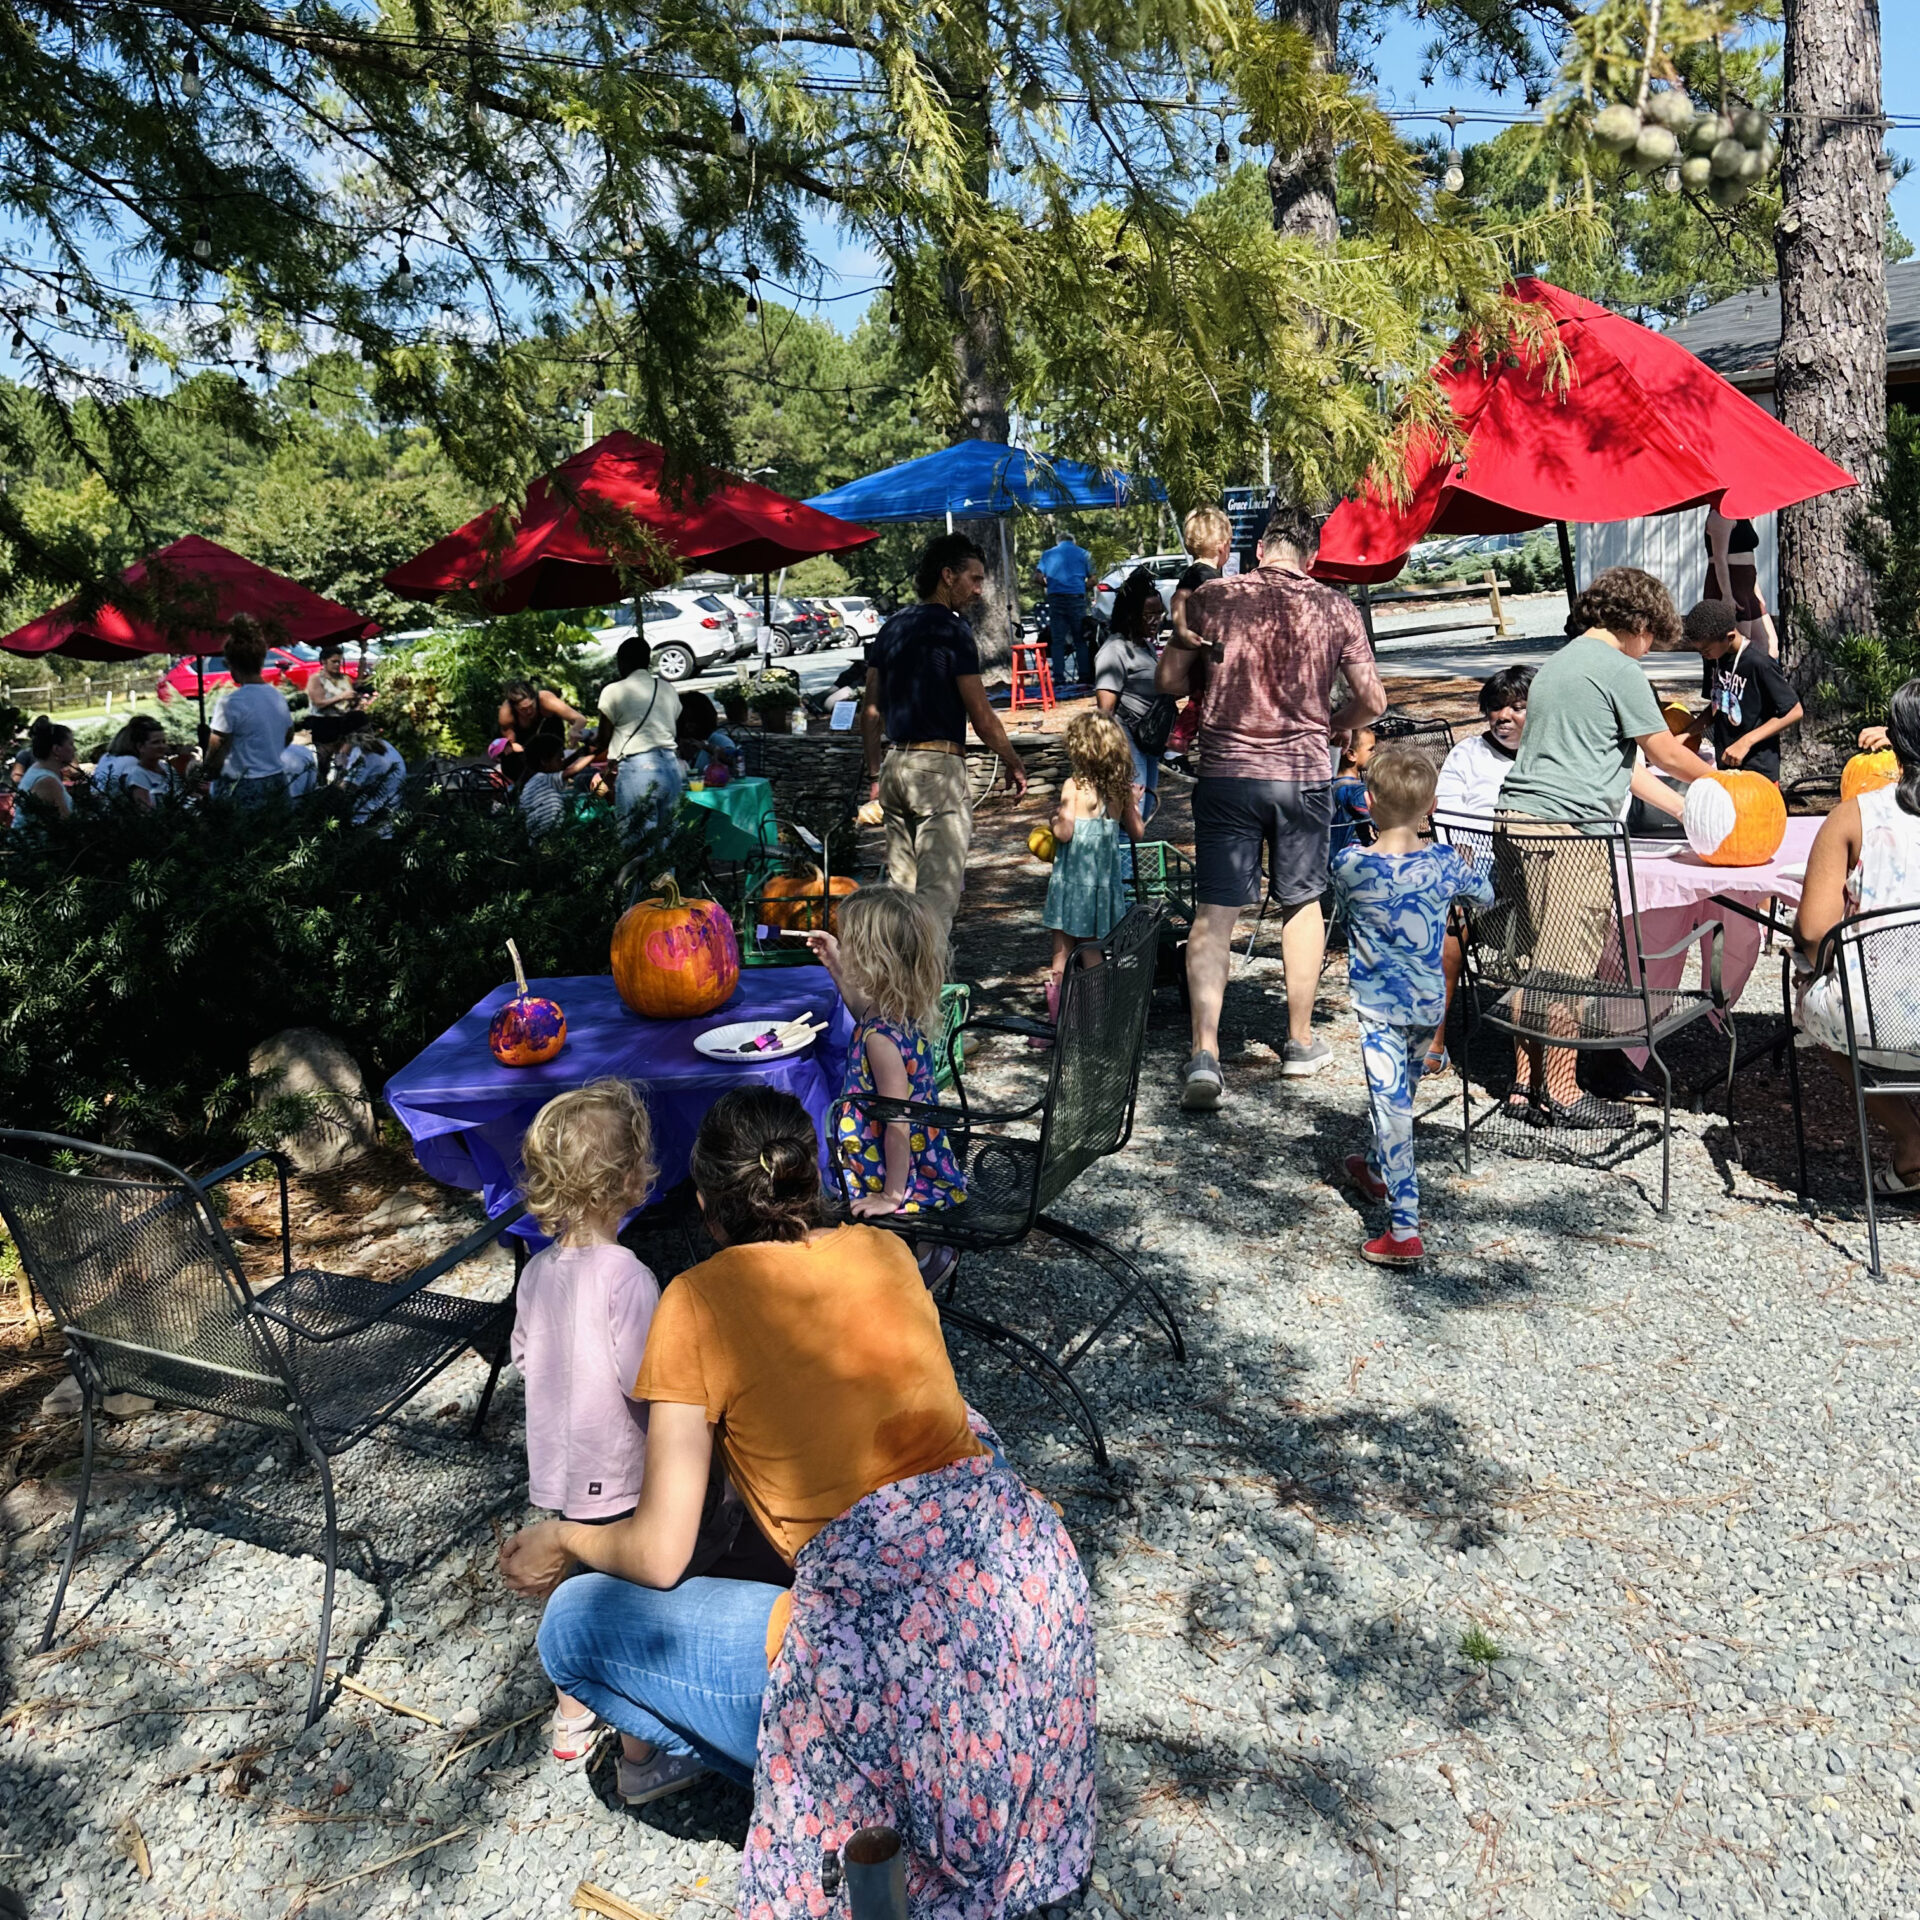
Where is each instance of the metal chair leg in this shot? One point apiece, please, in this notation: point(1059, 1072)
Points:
point(1128, 1278)
point(486, 1392)
point(1793, 1074)
point(1666, 1130)
point(331, 1551)
point(1866, 1171)
point(79, 1510)
point(1040, 1367)
point(1733, 1061)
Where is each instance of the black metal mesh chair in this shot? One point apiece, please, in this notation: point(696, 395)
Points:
point(1021, 1161)
point(1557, 961)
point(1160, 872)
point(1396, 724)
point(151, 1299)
point(1876, 958)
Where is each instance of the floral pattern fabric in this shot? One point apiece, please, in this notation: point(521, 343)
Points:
point(936, 1178)
point(937, 1677)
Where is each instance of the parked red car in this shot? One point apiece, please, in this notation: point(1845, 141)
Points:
point(285, 666)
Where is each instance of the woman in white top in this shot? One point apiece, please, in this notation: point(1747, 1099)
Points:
point(250, 724)
point(1473, 772)
point(136, 763)
point(639, 722)
point(1867, 856)
point(40, 795)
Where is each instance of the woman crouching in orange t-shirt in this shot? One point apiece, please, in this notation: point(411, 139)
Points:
point(934, 1669)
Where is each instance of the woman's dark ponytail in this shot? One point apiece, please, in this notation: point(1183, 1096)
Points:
point(756, 1162)
point(45, 734)
point(1903, 735)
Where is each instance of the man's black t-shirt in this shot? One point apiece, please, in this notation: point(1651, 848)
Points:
point(920, 655)
point(1747, 690)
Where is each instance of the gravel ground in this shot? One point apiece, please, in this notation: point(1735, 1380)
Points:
point(1568, 1574)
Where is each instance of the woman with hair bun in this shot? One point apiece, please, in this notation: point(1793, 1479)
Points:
point(932, 1667)
point(40, 795)
point(1867, 856)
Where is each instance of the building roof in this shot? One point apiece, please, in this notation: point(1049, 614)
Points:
point(1739, 336)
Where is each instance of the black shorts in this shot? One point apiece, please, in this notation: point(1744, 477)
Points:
point(329, 729)
point(1234, 819)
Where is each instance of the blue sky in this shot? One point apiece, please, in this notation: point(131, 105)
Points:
point(1398, 65)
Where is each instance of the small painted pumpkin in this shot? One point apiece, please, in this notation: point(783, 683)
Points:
point(1735, 819)
point(675, 958)
point(1868, 772)
point(1041, 844)
point(794, 899)
point(528, 1029)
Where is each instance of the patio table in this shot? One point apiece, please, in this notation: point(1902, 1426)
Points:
point(740, 820)
point(466, 1114)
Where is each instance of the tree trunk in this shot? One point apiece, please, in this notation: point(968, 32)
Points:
point(1301, 181)
point(1831, 378)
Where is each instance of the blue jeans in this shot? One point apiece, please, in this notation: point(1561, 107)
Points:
point(647, 784)
point(1146, 775)
point(1066, 616)
point(685, 1668)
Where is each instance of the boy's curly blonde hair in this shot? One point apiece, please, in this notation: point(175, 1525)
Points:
point(893, 951)
point(588, 1156)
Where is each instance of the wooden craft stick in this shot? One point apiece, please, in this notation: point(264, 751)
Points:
point(379, 1866)
point(591, 1899)
point(380, 1700)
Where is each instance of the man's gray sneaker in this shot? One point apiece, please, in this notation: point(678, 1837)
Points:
point(1202, 1086)
point(1298, 1063)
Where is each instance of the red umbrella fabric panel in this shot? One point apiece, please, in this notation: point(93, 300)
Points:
point(606, 517)
point(195, 588)
point(1639, 427)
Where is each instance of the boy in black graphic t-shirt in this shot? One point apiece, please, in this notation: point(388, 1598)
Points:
point(1750, 702)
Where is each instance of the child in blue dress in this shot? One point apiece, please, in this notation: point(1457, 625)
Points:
point(1087, 895)
point(889, 961)
point(1396, 895)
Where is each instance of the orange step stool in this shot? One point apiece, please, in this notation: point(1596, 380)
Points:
point(1030, 664)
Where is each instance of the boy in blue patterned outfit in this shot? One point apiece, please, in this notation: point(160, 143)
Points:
point(1395, 896)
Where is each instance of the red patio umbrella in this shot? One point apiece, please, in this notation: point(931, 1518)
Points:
point(606, 505)
point(183, 599)
point(1639, 427)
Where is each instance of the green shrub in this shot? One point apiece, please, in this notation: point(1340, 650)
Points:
point(143, 956)
point(1885, 533)
point(441, 696)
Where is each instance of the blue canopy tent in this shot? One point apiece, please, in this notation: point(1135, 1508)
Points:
point(978, 478)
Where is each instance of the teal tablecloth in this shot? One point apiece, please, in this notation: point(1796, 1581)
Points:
point(739, 817)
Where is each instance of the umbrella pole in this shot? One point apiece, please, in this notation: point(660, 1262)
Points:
point(1566, 561)
point(200, 686)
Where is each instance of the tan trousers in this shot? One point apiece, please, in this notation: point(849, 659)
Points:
point(928, 814)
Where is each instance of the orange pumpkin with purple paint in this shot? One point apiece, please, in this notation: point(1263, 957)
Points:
point(674, 958)
point(530, 1029)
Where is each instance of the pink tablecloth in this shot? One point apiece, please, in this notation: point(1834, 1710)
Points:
point(1676, 891)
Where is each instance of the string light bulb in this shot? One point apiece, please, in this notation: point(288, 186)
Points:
point(893, 309)
point(19, 340)
point(853, 417)
point(737, 133)
point(913, 413)
point(402, 276)
point(1454, 176)
point(203, 243)
point(1670, 179)
point(60, 302)
point(190, 82)
point(996, 153)
point(778, 407)
point(753, 293)
point(606, 282)
point(1222, 155)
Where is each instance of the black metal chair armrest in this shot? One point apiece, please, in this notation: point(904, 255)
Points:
point(1715, 930)
point(475, 1243)
point(1009, 1023)
point(209, 1180)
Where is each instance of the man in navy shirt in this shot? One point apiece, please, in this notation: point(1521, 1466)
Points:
point(1066, 568)
point(923, 686)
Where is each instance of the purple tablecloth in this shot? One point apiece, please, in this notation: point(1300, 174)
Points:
point(466, 1113)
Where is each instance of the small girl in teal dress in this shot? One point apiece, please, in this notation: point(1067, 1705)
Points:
point(889, 961)
point(1087, 896)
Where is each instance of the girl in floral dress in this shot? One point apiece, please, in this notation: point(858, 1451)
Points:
point(888, 961)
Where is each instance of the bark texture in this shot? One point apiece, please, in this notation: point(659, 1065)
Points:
point(1301, 180)
point(1831, 378)
point(980, 380)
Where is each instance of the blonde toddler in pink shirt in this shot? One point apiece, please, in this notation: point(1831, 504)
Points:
point(580, 1326)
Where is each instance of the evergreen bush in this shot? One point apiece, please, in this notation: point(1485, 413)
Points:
point(144, 955)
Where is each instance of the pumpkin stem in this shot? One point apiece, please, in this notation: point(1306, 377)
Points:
point(519, 972)
point(672, 886)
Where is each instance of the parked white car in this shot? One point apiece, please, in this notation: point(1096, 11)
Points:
point(1167, 569)
point(862, 616)
point(689, 632)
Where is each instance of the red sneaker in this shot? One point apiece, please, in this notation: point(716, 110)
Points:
point(1364, 1177)
point(1386, 1251)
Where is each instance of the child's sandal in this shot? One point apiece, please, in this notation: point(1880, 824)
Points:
point(573, 1735)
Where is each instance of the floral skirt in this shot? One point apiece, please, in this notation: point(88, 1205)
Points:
point(937, 1677)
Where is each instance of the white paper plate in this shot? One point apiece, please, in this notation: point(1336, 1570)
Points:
point(724, 1043)
point(1798, 872)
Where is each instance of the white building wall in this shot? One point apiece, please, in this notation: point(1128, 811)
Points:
point(1673, 548)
